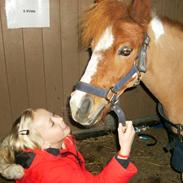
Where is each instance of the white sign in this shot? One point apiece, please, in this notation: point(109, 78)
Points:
point(27, 13)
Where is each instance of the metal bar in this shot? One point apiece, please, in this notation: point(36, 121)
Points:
point(110, 125)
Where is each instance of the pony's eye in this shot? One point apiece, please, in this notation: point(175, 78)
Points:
point(125, 51)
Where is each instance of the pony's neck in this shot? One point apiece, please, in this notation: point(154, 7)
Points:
point(165, 67)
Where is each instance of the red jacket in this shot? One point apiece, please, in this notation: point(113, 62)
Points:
point(48, 168)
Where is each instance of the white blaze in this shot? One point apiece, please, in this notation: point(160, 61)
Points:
point(104, 43)
point(157, 27)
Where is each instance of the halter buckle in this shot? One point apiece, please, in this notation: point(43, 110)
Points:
point(111, 96)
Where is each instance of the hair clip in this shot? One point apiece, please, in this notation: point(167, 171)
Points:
point(24, 132)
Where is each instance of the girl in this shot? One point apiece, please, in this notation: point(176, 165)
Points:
point(41, 143)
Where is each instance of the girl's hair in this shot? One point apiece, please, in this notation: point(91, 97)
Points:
point(23, 135)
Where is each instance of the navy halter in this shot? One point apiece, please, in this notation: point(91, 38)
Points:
point(111, 95)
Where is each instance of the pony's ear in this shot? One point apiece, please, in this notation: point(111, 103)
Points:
point(140, 11)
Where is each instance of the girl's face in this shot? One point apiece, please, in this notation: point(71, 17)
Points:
point(51, 127)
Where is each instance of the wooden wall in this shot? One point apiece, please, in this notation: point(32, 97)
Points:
point(39, 66)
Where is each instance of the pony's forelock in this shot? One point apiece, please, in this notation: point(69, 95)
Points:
point(99, 17)
point(106, 12)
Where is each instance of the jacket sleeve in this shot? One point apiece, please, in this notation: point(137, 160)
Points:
point(112, 173)
point(116, 173)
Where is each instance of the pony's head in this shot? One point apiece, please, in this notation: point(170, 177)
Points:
point(115, 32)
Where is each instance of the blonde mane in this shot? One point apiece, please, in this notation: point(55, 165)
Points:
point(107, 12)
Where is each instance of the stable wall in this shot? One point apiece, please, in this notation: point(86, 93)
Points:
point(39, 66)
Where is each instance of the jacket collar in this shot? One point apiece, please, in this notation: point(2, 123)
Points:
point(26, 158)
point(53, 151)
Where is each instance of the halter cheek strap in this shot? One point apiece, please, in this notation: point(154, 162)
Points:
point(142, 55)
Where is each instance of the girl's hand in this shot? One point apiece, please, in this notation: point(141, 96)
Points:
point(126, 136)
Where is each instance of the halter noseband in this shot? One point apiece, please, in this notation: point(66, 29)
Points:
point(111, 95)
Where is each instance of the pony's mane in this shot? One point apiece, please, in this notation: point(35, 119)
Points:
point(99, 17)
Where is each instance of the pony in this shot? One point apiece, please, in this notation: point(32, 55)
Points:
point(116, 33)
point(129, 45)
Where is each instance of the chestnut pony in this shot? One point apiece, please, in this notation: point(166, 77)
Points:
point(120, 35)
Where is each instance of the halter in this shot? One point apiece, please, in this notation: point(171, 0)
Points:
point(111, 94)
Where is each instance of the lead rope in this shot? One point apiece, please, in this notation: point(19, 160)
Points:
point(120, 114)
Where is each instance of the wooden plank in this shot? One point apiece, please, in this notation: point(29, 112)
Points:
point(70, 56)
point(33, 51)
point(14, 56)
point(53, 61)
point(83, 52)
point(169, 8)
point(5, 106)
point(177, 12)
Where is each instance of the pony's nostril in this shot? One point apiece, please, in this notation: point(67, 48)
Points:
point(85, 107)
